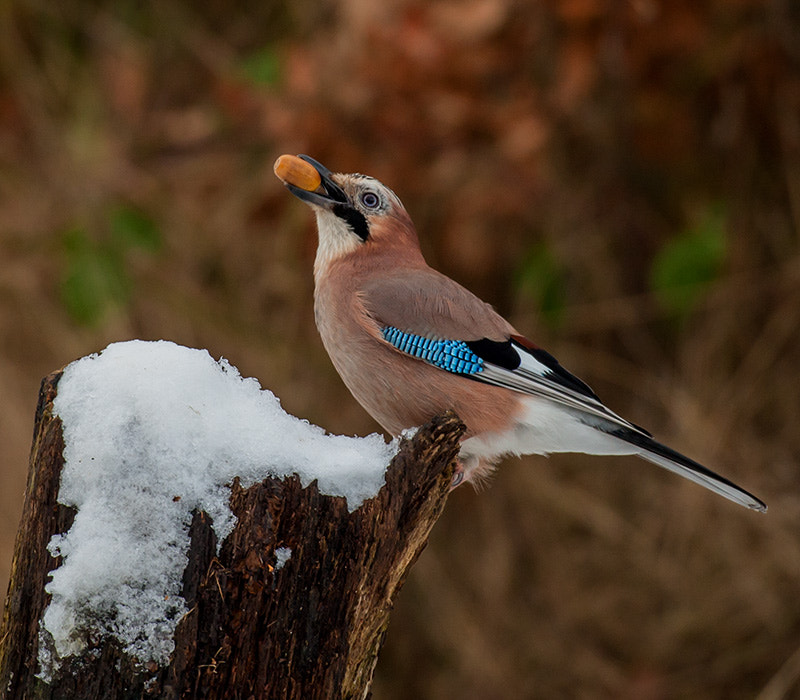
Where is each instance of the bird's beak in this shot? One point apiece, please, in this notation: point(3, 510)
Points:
point(309, 180)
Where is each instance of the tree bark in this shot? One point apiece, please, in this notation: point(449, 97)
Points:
point(310, 629)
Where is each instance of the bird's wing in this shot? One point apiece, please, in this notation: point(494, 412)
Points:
point(426, 314)
point(426, 302)
point(434, 319)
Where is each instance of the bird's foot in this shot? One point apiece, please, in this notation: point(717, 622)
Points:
point(458, 475)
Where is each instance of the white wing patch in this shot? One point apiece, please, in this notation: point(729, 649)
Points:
point(535, 378)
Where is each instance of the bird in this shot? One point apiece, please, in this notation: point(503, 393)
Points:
point(411, 343)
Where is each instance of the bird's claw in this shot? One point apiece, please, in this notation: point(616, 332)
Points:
point(458, 476)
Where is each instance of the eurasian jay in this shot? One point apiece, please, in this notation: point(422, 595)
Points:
point(411, 343)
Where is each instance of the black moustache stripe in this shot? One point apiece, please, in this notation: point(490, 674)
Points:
point(354, 219)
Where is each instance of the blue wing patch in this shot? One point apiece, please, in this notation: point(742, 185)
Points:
point(451, 355)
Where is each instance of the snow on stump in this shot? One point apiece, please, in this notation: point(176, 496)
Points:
point(182, 536)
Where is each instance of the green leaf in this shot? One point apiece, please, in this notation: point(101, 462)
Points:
point(541, 277)
point(131, 228)
point(94, 278)
point(685, 267)
point(262, 67)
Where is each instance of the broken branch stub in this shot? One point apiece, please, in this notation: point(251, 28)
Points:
point(295, 604)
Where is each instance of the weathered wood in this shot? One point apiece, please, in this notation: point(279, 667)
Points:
point(312, 629)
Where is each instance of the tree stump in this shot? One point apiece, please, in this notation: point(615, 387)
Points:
point(257, 626)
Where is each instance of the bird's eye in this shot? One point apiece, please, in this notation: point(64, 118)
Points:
point(370, 200)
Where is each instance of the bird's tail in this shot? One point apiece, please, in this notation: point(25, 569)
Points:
point(668, 458)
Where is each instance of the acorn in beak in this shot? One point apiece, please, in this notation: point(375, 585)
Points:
point(309, 180)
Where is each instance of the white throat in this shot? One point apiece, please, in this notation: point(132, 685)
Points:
point(335, 241)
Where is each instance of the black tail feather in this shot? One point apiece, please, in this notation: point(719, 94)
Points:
point(674, 461)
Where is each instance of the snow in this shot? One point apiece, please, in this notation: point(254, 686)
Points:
point(152, 432)
point(282, 555)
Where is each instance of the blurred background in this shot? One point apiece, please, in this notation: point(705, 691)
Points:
point(620, 179)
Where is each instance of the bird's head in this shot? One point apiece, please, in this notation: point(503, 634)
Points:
point(356, 214)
